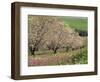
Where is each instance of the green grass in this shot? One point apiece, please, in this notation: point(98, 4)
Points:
point(79, 23)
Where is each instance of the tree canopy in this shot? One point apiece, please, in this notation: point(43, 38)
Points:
point(49, 32)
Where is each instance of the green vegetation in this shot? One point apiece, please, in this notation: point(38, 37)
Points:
point(79, 23)
point(81, 57)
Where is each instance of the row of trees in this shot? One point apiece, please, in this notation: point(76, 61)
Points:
point(50, 33)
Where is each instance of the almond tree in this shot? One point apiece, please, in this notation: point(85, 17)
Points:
point(55, 36)
point(74, 41)
point(37, 29)
point(52, 33)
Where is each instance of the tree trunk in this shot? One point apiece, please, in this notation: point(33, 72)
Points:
point(33, 52)
point(66, 49)
point(55, 51)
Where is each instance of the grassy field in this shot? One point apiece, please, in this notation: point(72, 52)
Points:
point(79, 23)
point(61, 58)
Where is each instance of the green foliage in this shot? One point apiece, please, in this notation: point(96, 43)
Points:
point(80, 57)
point(79, 23)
